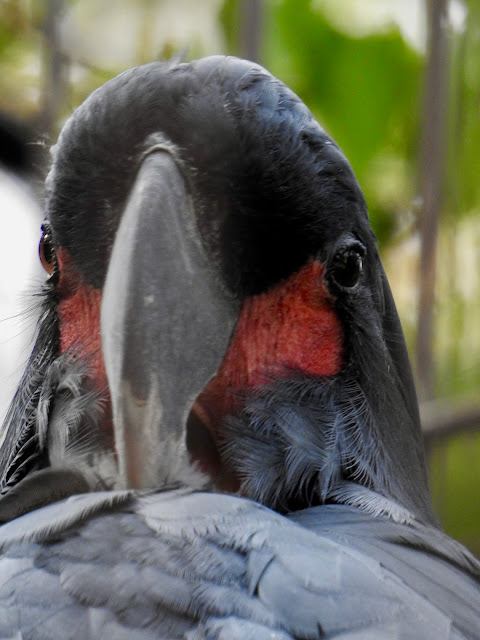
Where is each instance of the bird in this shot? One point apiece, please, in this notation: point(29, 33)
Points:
point(217, 434)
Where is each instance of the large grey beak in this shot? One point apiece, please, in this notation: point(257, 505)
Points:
point(166, 323)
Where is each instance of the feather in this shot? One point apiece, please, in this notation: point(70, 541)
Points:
point(300, 439)
point(182, 564)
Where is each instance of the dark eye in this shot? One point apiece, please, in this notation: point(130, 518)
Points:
point(347, 267)
point(46, 251)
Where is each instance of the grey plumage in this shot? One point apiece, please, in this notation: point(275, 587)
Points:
point(191, 565)
point(299, 435)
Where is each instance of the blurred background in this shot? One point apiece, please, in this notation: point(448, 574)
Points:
point(397, 85)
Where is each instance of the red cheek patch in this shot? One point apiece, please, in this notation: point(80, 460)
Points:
point(79, 315)
point(293, 326)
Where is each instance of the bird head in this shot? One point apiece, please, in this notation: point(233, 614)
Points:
point(214, 294)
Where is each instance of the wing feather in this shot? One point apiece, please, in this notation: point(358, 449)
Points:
point(190, 565)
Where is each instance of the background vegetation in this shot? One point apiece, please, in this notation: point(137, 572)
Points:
point(397, 84)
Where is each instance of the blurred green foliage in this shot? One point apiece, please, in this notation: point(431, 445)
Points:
point(454, 481)
point(463, 184)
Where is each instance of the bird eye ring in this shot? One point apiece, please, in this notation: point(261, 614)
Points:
point(46, 251)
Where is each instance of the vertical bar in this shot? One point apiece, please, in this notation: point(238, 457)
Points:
point(251, 29)
point(432, 173)
point(54, 68)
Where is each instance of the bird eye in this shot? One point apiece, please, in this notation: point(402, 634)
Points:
point(46, 251)
point(348, 266)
